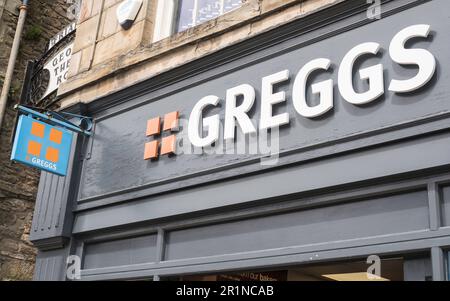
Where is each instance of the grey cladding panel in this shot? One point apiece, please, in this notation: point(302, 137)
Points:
point(50, 265)
point(445, 206)
point(52, 189)
point(52, 213)
point(370, 164)
point(120, 252)
point(386, 215)
point(120, 138)
point(418, 269)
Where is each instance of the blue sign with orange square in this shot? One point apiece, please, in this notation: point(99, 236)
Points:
point(41, 145)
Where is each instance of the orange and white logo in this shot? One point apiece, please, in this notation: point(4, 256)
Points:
point(36, 148)
point(161, 145)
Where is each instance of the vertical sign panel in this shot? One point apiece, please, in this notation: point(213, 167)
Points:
point(41, 145)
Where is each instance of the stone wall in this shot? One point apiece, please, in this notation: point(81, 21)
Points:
point(18, 184)
point(107, 59)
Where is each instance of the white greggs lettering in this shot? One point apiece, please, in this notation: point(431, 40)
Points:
point(239, 114)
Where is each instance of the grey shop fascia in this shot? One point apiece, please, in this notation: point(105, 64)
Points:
point(238, 114)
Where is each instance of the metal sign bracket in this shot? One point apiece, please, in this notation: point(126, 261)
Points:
point(82, 126)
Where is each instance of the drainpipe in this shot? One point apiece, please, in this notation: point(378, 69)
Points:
point(12, 60)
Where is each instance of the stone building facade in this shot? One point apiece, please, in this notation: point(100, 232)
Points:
point(18, 184)
point(107, 58)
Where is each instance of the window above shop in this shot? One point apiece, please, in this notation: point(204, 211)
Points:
point(193, 12)
point(175, 16)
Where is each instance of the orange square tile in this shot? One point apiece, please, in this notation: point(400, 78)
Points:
point(55, 136)
point(52, 155)
point(37, 129)
point(151, 150)
point(153, 126)
point(171, 121)
point(168, 145)
point(34, 148)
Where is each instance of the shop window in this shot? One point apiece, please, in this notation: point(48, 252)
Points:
point(174, 16)
point(391, 269)
point(410, 267)
point(193, 12)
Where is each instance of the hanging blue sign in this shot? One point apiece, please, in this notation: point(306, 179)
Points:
point(38, 144)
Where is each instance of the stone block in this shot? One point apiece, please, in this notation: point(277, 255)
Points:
point(86, 34)
point(271, 5)
point(109, 24)
point(119, 43)
point(75, 61)
point(85, 10)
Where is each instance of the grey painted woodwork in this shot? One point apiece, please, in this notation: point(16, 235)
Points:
point(438, 263)
point(53, 217)
point(50, 265)
point(360, 181)
point(417, 269)
point(403, 213)
point(120, 252)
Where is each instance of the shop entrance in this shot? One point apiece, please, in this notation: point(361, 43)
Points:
point(390, 269)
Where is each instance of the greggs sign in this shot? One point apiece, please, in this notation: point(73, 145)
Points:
point(238, 114)
point(38, 144)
